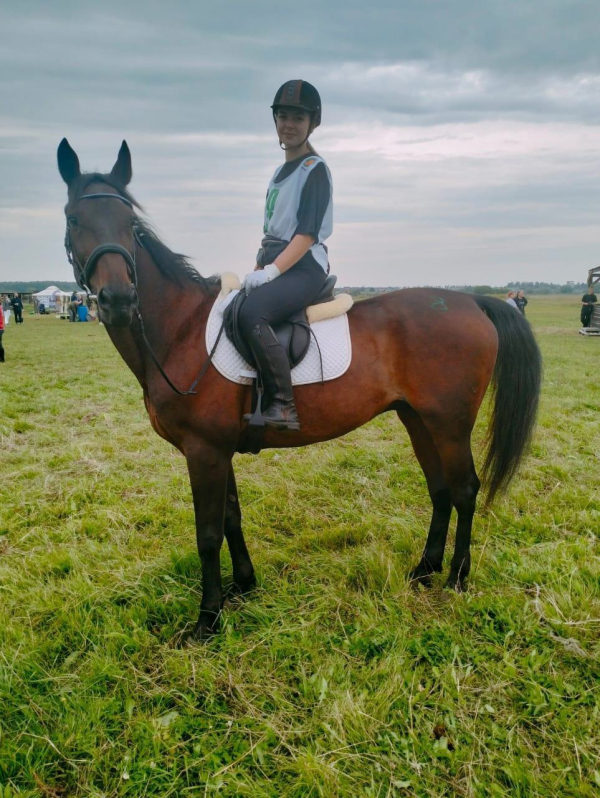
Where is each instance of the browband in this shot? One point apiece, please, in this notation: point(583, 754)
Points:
point(106, 194)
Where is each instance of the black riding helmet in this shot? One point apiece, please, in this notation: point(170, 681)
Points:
point(299, 94)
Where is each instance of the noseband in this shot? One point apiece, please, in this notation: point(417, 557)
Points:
point(84, 272)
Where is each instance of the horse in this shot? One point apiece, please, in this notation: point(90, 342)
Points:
point(427, 354)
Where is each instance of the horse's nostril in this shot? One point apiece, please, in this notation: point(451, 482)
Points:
point(108, 297)
point(104, 296)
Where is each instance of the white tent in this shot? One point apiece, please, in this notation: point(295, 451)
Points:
point(46, 294)
point(52, 297)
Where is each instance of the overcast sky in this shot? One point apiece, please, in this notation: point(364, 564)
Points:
point(463, 137)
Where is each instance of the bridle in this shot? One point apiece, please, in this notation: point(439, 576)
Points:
point(84, 272)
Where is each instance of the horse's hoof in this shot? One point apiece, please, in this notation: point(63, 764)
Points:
point(424, 580)
point(456, 583)
point(204, 631)
point(421, 575)
point(193, 641)
point(198, 637)
point(241, 587)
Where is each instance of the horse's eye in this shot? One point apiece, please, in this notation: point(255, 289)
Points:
point(72, 221)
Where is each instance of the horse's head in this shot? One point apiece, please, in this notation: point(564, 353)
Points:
point(100, 237)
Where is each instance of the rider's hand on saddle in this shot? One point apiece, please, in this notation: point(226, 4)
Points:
point(255, 279)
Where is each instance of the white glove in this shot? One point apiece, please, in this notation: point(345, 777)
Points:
point(260, 277)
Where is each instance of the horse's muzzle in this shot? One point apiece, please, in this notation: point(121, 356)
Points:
point(117, 306)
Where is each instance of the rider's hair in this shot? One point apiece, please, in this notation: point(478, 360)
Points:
point(311, 148)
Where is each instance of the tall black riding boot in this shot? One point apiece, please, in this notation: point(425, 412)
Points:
point(274, 366)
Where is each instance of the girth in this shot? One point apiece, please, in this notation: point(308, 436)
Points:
point(293, 334)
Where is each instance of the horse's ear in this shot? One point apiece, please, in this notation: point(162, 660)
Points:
point(121, 171)
point(68, 162)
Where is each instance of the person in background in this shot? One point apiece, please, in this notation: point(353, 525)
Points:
point(510, 299)
point(72, 309)
point(74, 296)
point(7, 308)
point(82, 312)
point(17, 306)
point(521, 301)
point(1, 333)
point(587, 306)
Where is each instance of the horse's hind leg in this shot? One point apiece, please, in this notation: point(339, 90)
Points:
point(429, 459)
point(243, 570)
point(459, 474)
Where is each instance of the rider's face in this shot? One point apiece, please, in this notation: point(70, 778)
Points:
point(293, 126)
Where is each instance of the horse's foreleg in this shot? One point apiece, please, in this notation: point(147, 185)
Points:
point(208, 469)
point(429, 460)
point(243, 570)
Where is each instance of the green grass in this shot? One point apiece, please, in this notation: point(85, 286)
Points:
point(334, 678)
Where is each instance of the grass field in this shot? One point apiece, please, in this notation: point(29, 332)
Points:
point(335, 678)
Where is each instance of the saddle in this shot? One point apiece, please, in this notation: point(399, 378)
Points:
point(293, 334)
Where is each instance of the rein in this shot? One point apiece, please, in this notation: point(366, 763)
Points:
point(84, 272)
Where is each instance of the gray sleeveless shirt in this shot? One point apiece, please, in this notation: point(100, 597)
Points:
point(283, 204)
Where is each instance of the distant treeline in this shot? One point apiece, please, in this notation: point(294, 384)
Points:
point(528, 288)
point(35, 286)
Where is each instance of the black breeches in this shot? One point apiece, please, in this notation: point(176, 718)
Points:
point(276, 301)
point(18, 315)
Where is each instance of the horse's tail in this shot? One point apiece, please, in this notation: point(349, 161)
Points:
point(516, 385)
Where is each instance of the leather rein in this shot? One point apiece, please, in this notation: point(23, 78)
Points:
point(84, 272)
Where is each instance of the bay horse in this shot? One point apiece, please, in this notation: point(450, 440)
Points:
point(426, 353)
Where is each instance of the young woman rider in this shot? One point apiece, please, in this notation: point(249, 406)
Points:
point(292, 263)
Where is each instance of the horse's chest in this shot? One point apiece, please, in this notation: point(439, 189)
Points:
point(155, 420)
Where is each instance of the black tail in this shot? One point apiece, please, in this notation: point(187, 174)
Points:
point(516, 385)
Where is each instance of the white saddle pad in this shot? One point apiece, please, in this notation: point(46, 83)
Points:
point(333, 336)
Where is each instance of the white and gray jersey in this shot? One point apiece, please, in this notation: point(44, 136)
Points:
point(300, 201)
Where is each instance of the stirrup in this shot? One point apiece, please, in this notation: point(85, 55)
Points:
point(265, 421)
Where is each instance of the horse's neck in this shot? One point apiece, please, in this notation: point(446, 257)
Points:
point(166, 309)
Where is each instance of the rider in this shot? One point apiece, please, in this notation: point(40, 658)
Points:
point(292, 263)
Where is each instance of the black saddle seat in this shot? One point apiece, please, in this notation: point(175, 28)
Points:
point(293, 334)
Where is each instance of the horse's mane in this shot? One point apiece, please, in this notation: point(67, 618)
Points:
point(174, 266)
